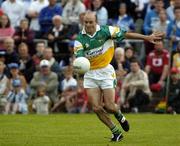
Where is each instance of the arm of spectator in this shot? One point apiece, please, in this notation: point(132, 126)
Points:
point(143, 81)
point(147, 69)
point(164, 74)
point(52, 84)
point(24, 83)
point(35, 82)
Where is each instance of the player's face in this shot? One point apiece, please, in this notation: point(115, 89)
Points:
point(90, 23)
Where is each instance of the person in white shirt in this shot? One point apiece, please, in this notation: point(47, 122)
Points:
point(33, 13)
point(72, 10)
point(15, 11)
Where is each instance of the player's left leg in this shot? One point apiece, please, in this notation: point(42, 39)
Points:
point(109, 95)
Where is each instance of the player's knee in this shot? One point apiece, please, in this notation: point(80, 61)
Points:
point(97, 109)
point(111, 108)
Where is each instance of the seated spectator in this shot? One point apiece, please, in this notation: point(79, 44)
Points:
point(163, 22)
point(174, 92)
point(15, 11)
point(57, 34)
point(157, 66)
point(170, 9)
point(176, 58)
point(33, 13)
point(81, 99)
point(135, 91)
point(41, 101)
point(46, 15)
point(3, 85)
point(67, 97)
point(173, 32)
point(5, 29)
point(24, 34)
point(16, 99)
point(101, 12)
point(152, 17)
point(26, 67)
point(45, 77)
point(40, 47)
point(71, 12)
point(11, 55)
point(124, 20)
point(15, 74)
point(48, 55)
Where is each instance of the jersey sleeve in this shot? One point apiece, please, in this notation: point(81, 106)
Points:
point(117, 33)
point(78, 49)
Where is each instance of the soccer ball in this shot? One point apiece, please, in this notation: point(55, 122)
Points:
point(81, 65)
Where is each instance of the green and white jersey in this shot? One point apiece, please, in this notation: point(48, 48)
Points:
point(98, 48)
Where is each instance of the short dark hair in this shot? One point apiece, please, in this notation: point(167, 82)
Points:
point(135, 60)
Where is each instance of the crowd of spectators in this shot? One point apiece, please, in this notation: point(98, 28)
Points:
point(36, 54)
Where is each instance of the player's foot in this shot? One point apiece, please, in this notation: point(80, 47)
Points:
point(124, 124)
point(117, 137)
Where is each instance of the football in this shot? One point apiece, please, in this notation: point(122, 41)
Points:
point(81, 65)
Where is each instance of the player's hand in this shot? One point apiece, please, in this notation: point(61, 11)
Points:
point(155, 37)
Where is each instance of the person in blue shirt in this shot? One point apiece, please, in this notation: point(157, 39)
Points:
point(152, 17)
point(46, 15)
point(124, 20)
point(173, 30)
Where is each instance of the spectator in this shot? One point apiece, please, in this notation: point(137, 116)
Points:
point(174, 92)
point(67, 97)
point(15, 74)
point(148, 7)
point(101, 12)
point(81, 99)
point(157, 66)
point(170, 9)
point(152, 17)
point(57, 34)
point(26, 67)
point(11, 55)
point(15, 11)
point(5, 29)
point(41, 101)
point(136, 87)
point(48, 55)
point(16, 98)
point(33, 13)
point(24, 34)
point(163, 22)
point(3, 85)
point(124, 20)
point(40, 47)
point(45, 77)
point(71, 12)
point(176, 58)
point(46, 15)
point(173, 32)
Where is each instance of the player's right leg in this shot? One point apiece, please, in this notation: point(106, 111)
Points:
point(94, 99)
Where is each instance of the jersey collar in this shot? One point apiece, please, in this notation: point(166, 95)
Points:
point(97, 29)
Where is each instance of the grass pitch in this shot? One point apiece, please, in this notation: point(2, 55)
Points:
point(87, 130)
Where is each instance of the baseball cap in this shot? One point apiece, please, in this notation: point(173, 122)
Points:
point(13, 65)
point(44, 63)
point(16, 82)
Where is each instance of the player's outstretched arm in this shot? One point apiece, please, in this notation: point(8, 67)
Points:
point(153, 38)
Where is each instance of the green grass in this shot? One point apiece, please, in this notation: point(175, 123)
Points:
point(87, 130)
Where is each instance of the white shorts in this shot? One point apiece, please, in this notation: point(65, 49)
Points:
point(103, 78)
